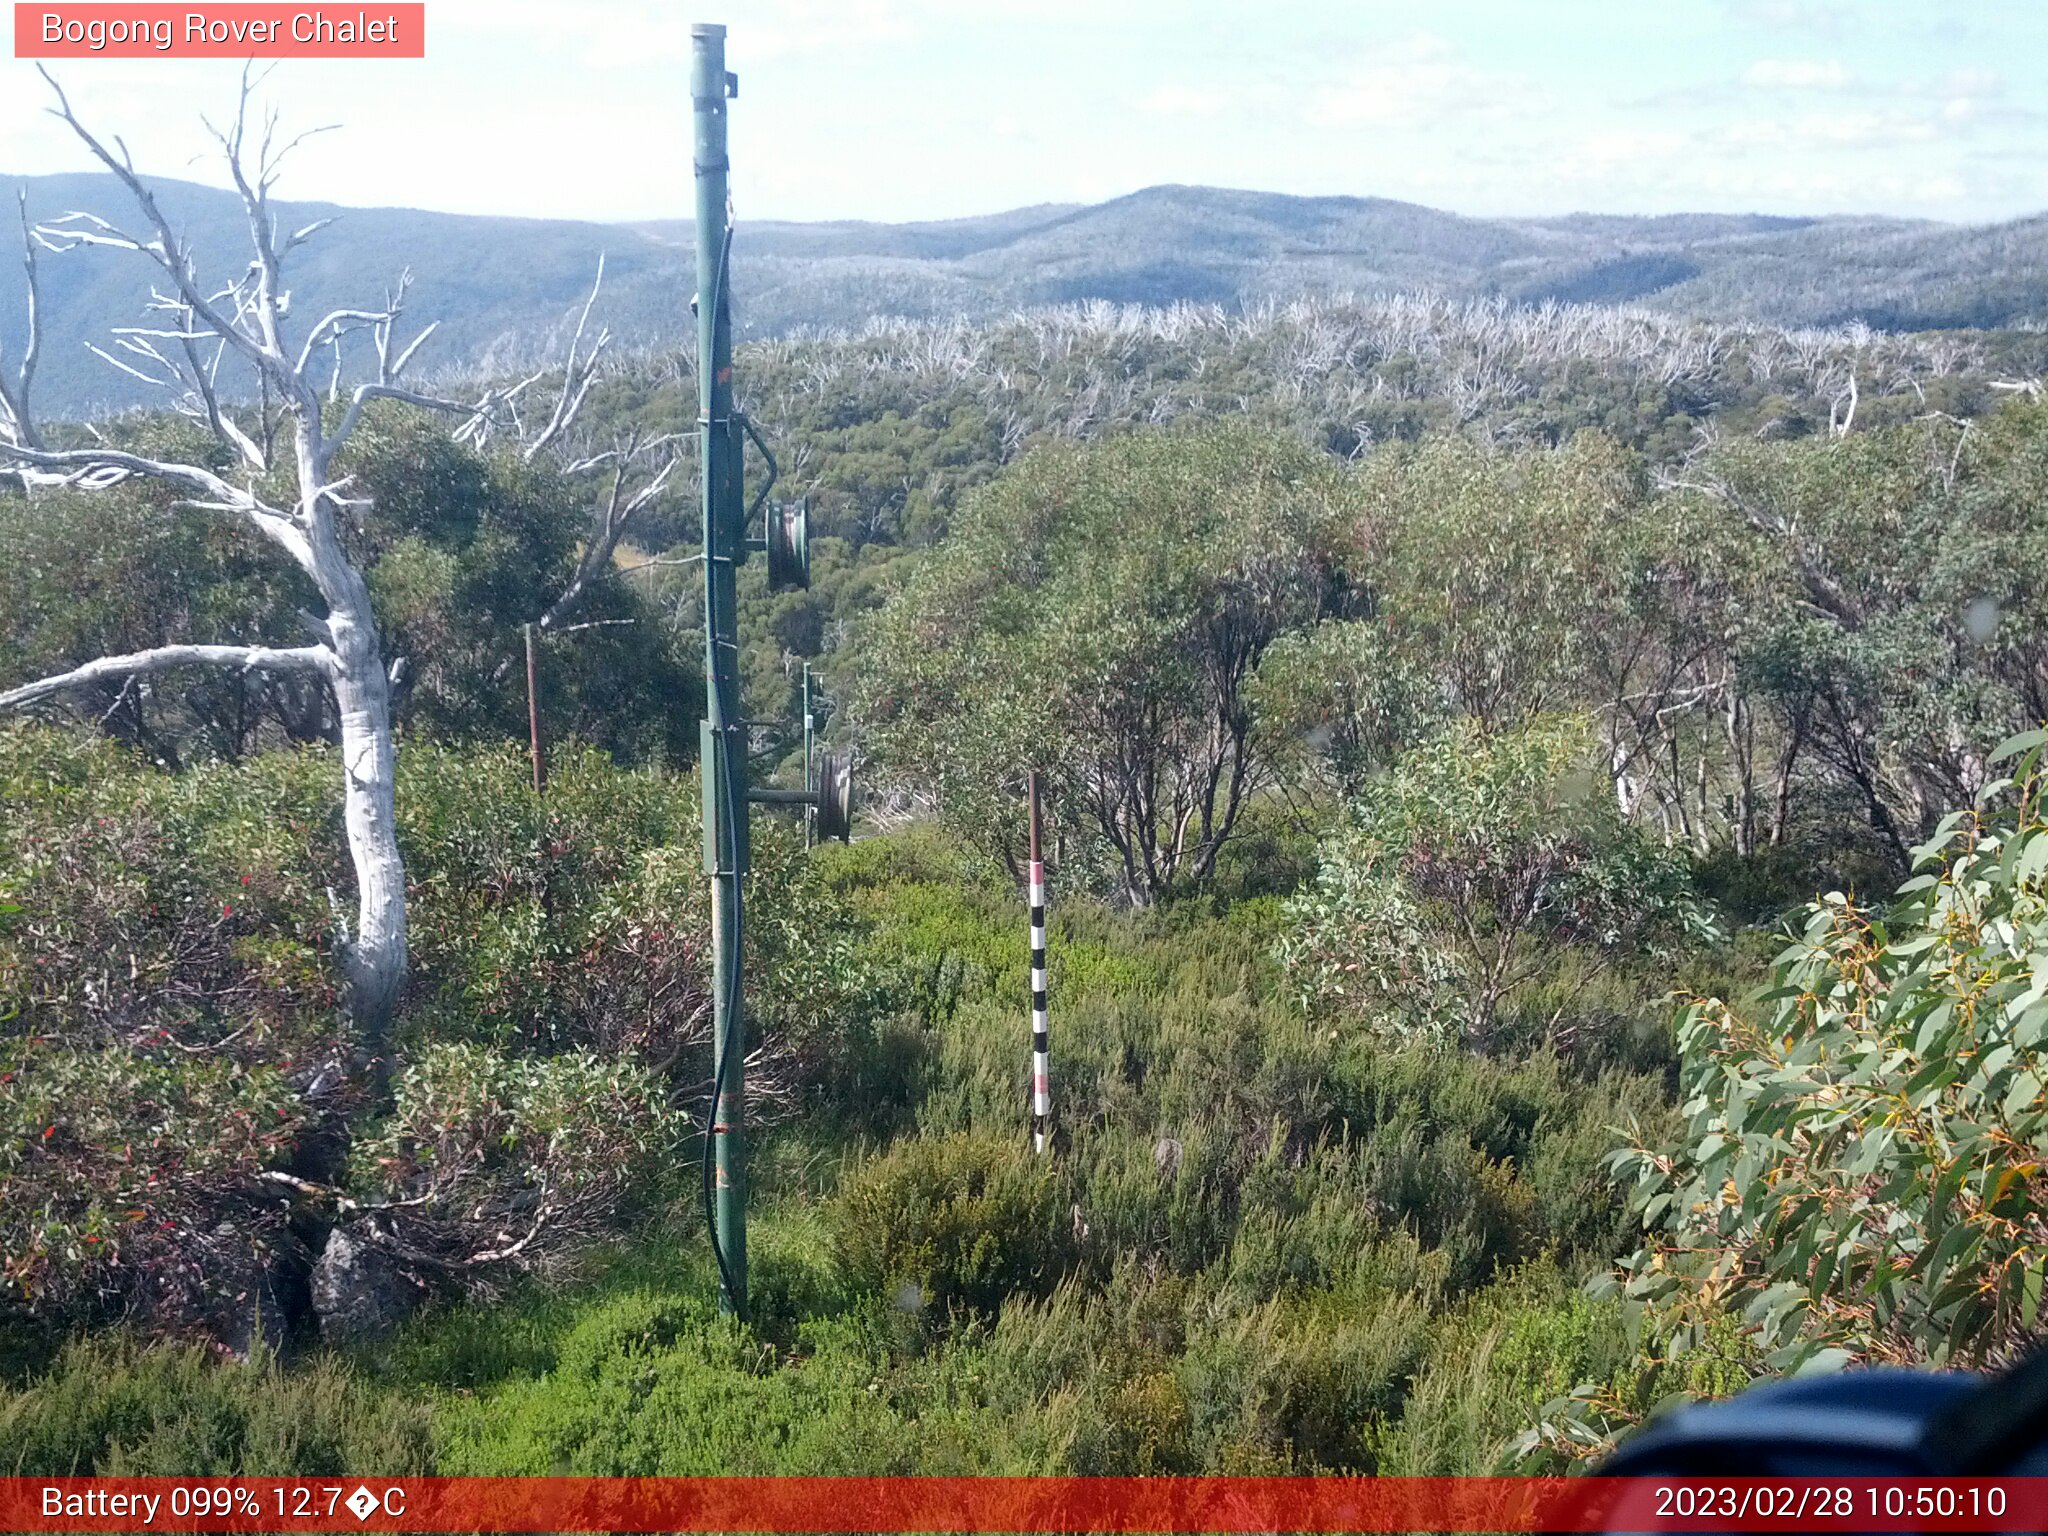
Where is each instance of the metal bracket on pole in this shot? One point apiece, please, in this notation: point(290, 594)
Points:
point(761, 496)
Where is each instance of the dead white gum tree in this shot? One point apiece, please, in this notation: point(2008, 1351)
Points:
point(199, 326)
point(631, 470)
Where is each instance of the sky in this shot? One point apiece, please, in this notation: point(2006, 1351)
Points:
point(925, 109)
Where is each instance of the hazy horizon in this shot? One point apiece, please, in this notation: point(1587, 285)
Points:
point(286, 194)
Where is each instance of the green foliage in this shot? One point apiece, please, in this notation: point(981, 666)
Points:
point(162, 1006)
point(461, 549)
point(555, 920)
point(170, 1037)
point(1343, 687)
point(532, 1157)
point(109, 1408)
point(1506, 1355)
point(1485, 565)
point(1856, 1174)
point(1891, 631)
point(1255, 1249)
point(1458, 872)
point(114, 1163)
point(652, 1384)
point(1211, 1095)
point(1096, 613)
point(960, 1219)
point(1272, 1238)
point(91, 574)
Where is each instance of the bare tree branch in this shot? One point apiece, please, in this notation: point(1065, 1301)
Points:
point(336, 324)
point(365, 393)
point(615, 513)
point(98, 468)
point(14, 405)
point(174, 257)
point(577, 375)
point(249, 658)
point(204, 389)
point(390, 375)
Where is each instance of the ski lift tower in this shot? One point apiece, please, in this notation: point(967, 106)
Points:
point(723, 432)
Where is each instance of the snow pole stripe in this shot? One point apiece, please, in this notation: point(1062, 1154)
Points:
point(1041, 1051)
point(1041, 1044)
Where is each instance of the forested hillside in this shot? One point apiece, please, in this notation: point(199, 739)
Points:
point(504, 288)
point(1451, 714)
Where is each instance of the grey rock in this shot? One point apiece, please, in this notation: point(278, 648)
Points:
point(360, 1294)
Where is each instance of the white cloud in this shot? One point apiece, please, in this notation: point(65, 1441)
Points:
point(1941, 189)
point(1630, 145)
point(1798, 75)
point(1182, 101)
point(1973, 82)
point(1418, 81)
point(1816, 130)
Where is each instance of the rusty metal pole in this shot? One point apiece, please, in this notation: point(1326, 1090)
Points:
point(533, 743)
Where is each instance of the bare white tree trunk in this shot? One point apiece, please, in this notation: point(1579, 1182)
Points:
point(374, 960)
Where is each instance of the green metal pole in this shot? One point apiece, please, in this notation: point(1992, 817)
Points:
point(724, 757)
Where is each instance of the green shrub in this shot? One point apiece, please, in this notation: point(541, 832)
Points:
point(1854, 1174)
point(169, 1033)
point(125, 1178)
point(655, 1385)
point(1494, 1366)
point(151, 905)
point(964, 1219)
point(1153, 1372)
point(1298, 1382)
point(793, 1276)
point(1436, 900)
point(109, 1408)
point(488, 1164)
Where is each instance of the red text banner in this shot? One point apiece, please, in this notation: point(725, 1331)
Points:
point(232, 31)
point(1022, 1504)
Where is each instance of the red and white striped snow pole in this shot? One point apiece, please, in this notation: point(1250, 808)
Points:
point(1041, 1047)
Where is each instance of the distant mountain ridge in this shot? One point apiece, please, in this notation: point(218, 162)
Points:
point(504, 288)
